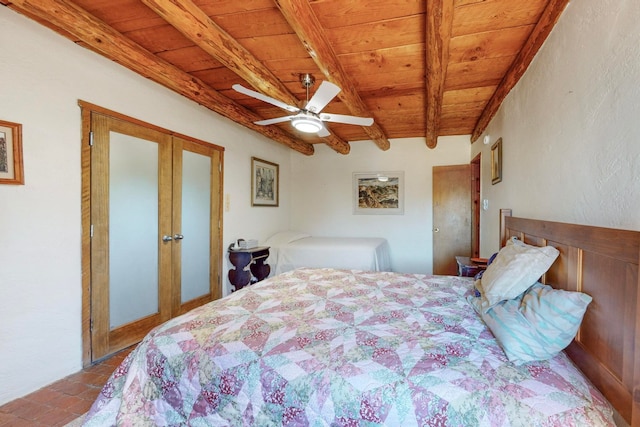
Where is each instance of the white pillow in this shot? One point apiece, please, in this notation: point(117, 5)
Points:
point(284, 237)
point(515, 269)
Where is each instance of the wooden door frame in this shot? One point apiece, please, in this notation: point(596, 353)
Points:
point(87, 109)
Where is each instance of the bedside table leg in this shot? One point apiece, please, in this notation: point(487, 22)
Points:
point(239, 276)
point(260, 270)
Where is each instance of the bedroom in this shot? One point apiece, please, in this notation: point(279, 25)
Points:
point(570, 145)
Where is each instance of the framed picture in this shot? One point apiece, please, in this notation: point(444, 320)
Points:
point(264, 183)
point(496, 162)
point(11, 153)
point(378, 193)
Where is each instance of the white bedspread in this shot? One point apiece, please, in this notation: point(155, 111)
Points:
point(356, 253)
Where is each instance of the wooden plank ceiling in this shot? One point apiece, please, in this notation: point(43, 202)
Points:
point(419, 68)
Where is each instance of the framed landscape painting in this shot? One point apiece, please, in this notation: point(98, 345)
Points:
point(378, 193)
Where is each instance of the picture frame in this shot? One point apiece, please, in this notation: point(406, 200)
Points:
point(496, 162)
point(265, 182)
point(11, 163)
point(378, 193)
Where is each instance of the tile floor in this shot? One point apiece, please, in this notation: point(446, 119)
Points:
point(62, 401)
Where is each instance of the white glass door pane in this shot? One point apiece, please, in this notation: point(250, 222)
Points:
point(133, 228)
point(196, 220)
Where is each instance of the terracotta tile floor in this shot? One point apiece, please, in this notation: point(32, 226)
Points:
point(62, 401)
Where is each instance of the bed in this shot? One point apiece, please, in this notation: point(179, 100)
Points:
point(291, 249)
point(602, 262)
point(345, 348)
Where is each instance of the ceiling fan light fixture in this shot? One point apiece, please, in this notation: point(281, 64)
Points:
point(307, 124)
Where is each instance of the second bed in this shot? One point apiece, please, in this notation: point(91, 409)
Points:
point(291, 249)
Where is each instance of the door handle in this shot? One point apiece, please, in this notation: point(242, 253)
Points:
point(435, 230)
point(166, 238)
point(178, 237)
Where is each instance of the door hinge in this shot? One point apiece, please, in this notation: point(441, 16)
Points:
point(91, 325)
point(91, 139)
point(91, 231)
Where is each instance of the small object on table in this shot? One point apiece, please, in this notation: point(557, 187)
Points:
point(249, 266)
point(468, 268)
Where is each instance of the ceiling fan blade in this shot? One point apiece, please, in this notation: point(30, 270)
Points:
point(350, 120)
point(324, 132)
point(273, 121)
point(265, 98)
point(325, 93)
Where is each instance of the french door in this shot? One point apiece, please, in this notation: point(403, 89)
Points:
point(155, 249)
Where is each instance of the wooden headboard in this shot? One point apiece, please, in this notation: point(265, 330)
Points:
point(603, 263)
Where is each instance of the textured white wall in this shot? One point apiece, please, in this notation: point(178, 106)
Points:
point(43, 75)
point(570, 129)
point(322, 195)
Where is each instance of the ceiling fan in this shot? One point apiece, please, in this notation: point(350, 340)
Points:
point(310, 118)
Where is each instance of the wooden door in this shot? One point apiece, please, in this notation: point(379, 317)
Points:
point(155, 219)
point(475, 205)
point(197, 188)
point(131, 196)
point(451, 216)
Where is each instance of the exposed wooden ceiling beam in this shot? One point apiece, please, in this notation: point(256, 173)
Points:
point(194, 24)
point(439, 20)
point(304, 22)
point(539, 34)
point(105, 40)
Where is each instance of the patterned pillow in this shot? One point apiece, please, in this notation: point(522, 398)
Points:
point(515, 269)
point(536, 325)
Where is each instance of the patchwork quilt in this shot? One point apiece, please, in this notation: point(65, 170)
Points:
point(324, 347)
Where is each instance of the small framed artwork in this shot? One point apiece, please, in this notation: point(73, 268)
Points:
point(264, 183)
point(11, 153)
point(378, 193)
point(496, 162)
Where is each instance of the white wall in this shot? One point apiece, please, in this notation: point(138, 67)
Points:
point(43, 75)
point(322, 195)
point(570, 128)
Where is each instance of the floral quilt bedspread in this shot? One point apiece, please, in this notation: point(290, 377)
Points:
point(323, 347)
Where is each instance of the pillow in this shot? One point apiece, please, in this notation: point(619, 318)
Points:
point(536, 325)
point(284, 237)
point(516, 267)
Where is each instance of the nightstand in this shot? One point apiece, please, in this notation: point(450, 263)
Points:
point(468, 267)
point(254, 258)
